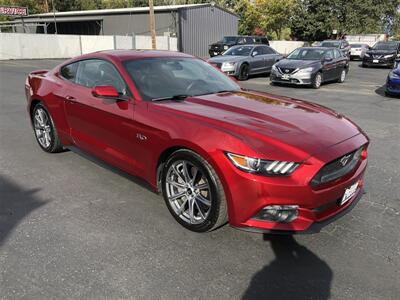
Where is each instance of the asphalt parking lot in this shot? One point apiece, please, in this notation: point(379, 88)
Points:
point(73, 228)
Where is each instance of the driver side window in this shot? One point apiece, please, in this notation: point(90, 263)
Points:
point(95, 72)
point(329, 54)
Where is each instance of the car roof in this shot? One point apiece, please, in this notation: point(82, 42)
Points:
point(319, 48)
point(134, 54)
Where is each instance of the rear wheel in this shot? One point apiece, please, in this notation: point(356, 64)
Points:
point(45, 131)
point(342, 76)
point(317, 81)
point(193, 192)
point(244, 72)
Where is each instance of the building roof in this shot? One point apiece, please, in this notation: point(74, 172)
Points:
point(130, 10)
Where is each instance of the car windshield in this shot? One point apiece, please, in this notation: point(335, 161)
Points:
point(330, 44)
point(239, 51)
point(307, 54)
point(229, 39)
point(385, 46)
point(171, 76)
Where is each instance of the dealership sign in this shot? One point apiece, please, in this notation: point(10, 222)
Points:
point(13, 11)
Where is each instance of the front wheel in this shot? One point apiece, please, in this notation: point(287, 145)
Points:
point(317, 81)
point(193, 192)
point(244, 72)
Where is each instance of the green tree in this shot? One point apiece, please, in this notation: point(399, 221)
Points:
point(275, 15)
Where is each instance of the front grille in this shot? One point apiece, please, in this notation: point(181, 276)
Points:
point(286, 70)
point(337, 168)
point(377, 56)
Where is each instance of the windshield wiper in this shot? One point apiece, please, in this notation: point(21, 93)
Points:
point(174, 97)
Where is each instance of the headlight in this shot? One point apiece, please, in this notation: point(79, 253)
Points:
point(226, 47)
point(388, 56)
point(228, 66)
point(394, 75)
point(305, 70)
point(262, 167)
point(274, 68)
point(367, 55)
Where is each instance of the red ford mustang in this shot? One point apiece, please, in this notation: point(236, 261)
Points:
point(215, 151)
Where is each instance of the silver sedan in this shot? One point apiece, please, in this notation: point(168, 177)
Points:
point(242, 61)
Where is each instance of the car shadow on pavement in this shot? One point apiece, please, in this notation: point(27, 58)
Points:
point(295, 273)
point(15, 204)
point(381, 90)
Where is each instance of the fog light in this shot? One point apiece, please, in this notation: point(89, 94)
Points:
point(278, 213)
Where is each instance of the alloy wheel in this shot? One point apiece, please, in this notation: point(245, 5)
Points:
point(42, 126)
point(343, 76)
point(188, 192)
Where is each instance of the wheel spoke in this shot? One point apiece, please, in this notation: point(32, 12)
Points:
point(200, 210)
point(202, 186)
point(203, 200)
point(182, 207)
point(195, 171)
point(177, 173)
point(176, 184)
point(177, 196)
point(191, 211)
point(185, 172)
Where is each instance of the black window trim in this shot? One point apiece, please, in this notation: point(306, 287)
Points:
point(129, 93)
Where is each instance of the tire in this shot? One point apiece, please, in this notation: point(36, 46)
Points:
point(44, 129)
point(317, 81)
point(342, 76)
point(180, 194)
point(363, 65)
point(244, 72)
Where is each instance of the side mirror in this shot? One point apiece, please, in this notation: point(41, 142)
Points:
point(254, 53)
point(105, 91)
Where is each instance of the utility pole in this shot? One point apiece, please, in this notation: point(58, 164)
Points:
point(152, 25)
point(54, 16)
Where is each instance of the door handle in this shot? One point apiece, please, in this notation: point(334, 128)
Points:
point(70, 98)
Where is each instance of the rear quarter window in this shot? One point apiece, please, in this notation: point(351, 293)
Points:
point(69, 71)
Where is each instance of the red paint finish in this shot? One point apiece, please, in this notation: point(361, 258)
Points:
point(132, 134)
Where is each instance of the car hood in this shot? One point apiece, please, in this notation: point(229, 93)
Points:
point(295, 63)
point(226, 58)
point(381, 52)
point(264, 120)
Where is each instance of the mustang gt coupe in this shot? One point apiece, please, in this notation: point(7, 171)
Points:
point(216, 152)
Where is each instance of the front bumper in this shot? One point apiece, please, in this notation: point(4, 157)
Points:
point(381, 62)
point(393, 86)
point(247, 194)
point(297, 79)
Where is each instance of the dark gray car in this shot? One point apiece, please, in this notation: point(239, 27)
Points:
point(311, 66)
point(242, 61)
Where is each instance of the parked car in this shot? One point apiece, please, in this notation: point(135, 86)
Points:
point(228, 41)
point(311, 66)
point(342, 45)
point(357, 51)
point(242, 61)
point(216, 152)
point(393, 81)
point(382, 54)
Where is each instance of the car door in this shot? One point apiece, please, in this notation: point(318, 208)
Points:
point(271, 57)
point(329, 66)
point(341, 63)
point(257, 63)
point(101, 126)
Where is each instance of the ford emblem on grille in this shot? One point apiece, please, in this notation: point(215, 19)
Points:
point(345, 159)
